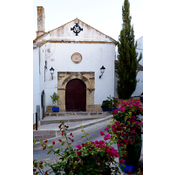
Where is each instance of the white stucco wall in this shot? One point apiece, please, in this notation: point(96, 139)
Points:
point(139, 87)
point(36, 89)
point(93, 57)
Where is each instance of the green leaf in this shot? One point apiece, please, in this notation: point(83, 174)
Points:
point(63, 142)
point(128, 130)
point(122, 138)
point(87, 133)
point(82, 136)
point(82, 130)
point(97, 170)
point(108, 126)
point(58, 173)
point(49, 152)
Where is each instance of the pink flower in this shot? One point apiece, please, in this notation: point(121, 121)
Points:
point(107, 136)
point(60, 140)
point(53, 142)
point(106, 129)
point(78, 152)
point(45, 141)
point(72, 140)
point(122, 161)
point(78, 146)
point(96, 142)
point(102, 133)
point(133, 132)
point(125, 155)
point(101, 142)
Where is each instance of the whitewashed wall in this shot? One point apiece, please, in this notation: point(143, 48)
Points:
point(139, 87)
point(36, 89)
point(58, 56)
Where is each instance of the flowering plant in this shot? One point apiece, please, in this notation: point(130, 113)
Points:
point(126, 129)
point(89, 158)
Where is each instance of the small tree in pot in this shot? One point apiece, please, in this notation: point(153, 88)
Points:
point(55, 98)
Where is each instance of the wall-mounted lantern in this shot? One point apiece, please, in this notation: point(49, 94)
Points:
point(45, 65)
point(102, 70)
point(52, 71)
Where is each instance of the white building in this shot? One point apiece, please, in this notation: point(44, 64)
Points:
point(139, 87)
point(36, 84)
point(76, 51)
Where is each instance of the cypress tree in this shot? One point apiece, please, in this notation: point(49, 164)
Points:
point(127, 56)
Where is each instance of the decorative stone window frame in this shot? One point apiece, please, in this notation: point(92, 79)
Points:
point(87, 77)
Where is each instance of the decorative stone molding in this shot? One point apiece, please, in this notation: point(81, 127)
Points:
point(87, 77)
point(76, 57)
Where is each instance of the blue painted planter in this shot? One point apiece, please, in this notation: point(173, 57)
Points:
point(55, 109)
point(131, 162)
point(112, 110)
point(128, 167)
point(105, 109)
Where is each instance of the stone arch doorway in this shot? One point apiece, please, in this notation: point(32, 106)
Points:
point(75, 95)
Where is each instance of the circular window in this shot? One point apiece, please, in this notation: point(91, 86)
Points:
point(76, 57)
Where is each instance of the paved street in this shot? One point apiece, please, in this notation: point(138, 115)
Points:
point(94, 132)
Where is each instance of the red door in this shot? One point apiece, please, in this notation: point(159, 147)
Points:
point(76, 95)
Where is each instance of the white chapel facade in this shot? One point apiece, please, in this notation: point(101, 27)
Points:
point(76, 51)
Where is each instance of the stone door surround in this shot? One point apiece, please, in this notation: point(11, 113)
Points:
point(87, 77)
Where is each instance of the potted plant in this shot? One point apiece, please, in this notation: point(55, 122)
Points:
point(126, 131)
point(55, 98)
point(109, 104)
point(105, 105)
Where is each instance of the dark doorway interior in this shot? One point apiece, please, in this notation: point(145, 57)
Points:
point(76, 96)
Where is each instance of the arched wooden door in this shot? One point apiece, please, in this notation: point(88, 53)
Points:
point(76, 95)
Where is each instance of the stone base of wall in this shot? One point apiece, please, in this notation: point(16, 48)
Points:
point(96, 108)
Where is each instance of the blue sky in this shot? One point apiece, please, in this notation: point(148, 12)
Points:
point(103, 15)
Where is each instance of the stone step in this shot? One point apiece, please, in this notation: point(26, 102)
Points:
point(75, 113)
point(52, 130)
point(57, 120)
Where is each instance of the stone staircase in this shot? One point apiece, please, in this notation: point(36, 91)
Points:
point(49, 125)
